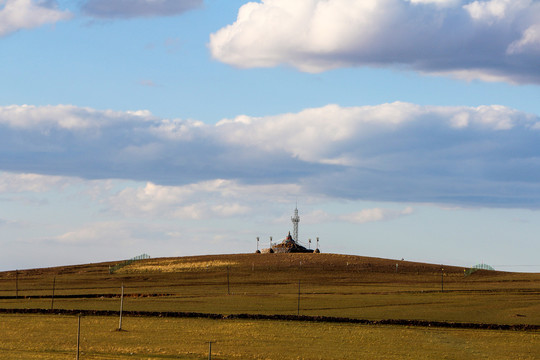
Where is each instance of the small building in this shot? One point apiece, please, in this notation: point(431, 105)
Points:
point(288, 245)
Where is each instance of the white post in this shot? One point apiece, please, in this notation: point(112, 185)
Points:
point(121, 308)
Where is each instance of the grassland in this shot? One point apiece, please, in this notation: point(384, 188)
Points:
point(330, 285)
point(54, 337)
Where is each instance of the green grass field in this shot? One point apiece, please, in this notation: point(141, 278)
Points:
point(330, 285)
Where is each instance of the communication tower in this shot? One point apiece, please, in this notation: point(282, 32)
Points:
point(295, 220)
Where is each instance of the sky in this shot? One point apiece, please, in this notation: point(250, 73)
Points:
point(402, 129)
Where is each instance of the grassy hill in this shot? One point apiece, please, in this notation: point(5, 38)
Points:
point(362, 289)
point(330, 285)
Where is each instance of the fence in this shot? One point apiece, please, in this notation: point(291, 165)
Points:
point(114, 268)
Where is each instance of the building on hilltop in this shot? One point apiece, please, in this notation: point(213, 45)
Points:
point(290, 244)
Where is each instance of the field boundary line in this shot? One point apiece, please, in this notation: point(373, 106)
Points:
point(304, 318)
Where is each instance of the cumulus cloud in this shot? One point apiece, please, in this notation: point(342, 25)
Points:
point(486, 155)
point(138, 8)
point(27, 14)
point(494, 40)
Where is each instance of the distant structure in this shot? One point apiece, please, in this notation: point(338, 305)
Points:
point(288, 245)
point(477, 267)
point(291, 243)
point(483, 266)
point(295, 220)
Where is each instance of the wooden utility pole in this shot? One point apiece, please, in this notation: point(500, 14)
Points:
point(209, 350)
point(16, 284)
point(53, 288)
point(121, 308)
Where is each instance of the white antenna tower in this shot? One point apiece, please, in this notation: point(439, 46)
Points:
point(295, 220)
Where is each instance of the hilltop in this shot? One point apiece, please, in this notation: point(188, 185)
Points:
point(321, 261)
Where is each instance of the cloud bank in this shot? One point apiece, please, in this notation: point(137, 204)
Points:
point(401, 152)
point(490, 40)
point(137, 8)
point(205, 200)
point(27, 14)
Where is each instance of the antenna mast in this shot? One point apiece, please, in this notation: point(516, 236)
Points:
point(295, 220)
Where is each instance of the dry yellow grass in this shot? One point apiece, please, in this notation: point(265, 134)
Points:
point(174, 265)
point(331, 285)
point(31, 337)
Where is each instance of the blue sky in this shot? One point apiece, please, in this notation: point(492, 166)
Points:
point(403, 128)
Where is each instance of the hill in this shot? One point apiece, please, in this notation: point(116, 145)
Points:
point(330, 285)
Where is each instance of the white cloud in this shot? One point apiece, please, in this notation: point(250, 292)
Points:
point(35, 183)
point(332, 134)
point(486, 155)
point(376, 214)
point(491, 40)
point(496, 10)
point(528, 43)
point(108, 236)
point(436, 2)
point(359, 217)
point(27, 14)
point(65, 117)
point(203, 200)
point(138, 8)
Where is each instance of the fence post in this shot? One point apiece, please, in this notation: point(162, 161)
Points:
point(298, 310)
point(121, 308)
point(52, 298)
point(16, 284)
point(209, 350)
point(78, 336)
point(228, 283)
point(442, 279)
